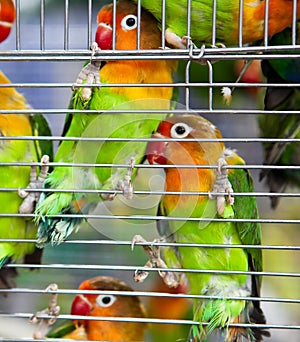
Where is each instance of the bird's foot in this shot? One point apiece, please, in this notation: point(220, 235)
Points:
point(36, 182)
point(155, 261)
point(222, 185)
point(52, 312)
point(89, 74)
point(124, 185)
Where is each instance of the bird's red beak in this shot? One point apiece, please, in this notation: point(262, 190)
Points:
point(104, 36)
point(155, 150)
point(7, 18)
point(81, 306)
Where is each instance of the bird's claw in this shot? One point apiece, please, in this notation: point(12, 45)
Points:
point(89, 74)
point(223, 185)
point(52, 311)
point(36, 182)
point(174, 40)
point(155, 261)
point(124, 185)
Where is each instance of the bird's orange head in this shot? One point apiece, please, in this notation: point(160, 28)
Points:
point(7, 18)
point(107, 305)
point(181, 150)
point(126, 28)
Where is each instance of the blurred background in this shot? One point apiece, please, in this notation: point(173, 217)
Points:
point(231, 126)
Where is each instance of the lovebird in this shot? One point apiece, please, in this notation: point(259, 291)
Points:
point(104, 305)
point(18, 151)
point(285, 71)
point(7, 18)
point(227, 20)
point(202, 227)
point(107, 125)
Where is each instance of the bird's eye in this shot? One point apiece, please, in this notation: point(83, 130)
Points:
point(180, 130)
point(105, 300)
point(129, 22)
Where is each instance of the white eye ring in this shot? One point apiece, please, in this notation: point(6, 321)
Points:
point(180, 130)
point(129, 22)
point(105, 301)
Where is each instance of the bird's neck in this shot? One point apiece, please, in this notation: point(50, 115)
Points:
point(187, 180)
point(140, 72)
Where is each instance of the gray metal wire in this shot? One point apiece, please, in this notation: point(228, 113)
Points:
point(68, 54)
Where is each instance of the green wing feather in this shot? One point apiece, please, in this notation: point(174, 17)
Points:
point(62, 330)
point(40, 127)
point(245, 207)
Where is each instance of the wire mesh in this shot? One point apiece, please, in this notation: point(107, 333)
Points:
point(46, 49)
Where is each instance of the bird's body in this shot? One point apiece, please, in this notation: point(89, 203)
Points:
point(227, 19)
point(111, 125)
point(106, 305)
point(15, 176)
point(221, 312)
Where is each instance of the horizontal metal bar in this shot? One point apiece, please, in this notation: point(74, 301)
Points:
point(155, 218)
point(151, 85)
point(162, 244)
point(254, 52)
point(153, 269)
point(154, 193)
point(147, 294)
point(156, 166)
point(147, 320)
point(101, 139)
point(153, 111)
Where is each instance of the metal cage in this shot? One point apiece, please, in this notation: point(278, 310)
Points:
point(42, 57)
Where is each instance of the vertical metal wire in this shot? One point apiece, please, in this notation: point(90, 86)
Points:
point(138, 31)
point(89, 19)
point(163, 23)
point(114, 24)
point(294, 24)
point(266, 26)
point(66, 26)
point(187, 88)
point(186, 85)
point(214, 23)
point(210, 89)
point(42, 25)
point(188, 18)
point(241, 12)
point(18, 38)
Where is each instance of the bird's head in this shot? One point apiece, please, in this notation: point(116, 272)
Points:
point(105, 305)
point(181, 150)
point(126, 28)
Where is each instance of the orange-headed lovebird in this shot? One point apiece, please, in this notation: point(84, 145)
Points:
point(104, 305)
point(17, 151)
point(7, 18)
point(227, 19)
point(205, 227)
point(110, 125)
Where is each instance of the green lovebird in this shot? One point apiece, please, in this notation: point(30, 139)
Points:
point(107, 125)
point(203, 225)
point(285, 126)
point(14, 176)
point(227, 19)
